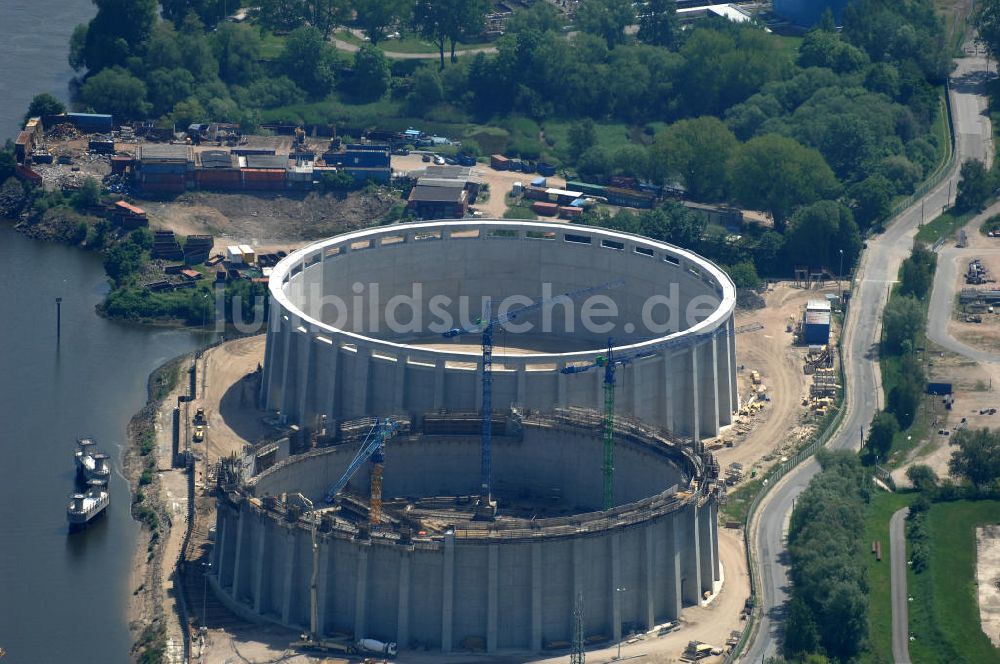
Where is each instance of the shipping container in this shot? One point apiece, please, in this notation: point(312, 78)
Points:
point(536, 194)
point(499, 162)
point(547, 170)
point(567, 212)
point(628, 198)
point(546, 209)
point(816, 327)
point(91, 123)
point(589, 189)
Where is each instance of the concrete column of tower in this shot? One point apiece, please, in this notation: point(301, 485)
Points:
point(258, 586)
point(361, 594)
point(672, 565)
point(323, 587)
point(616, 587)
point(306, 371)
point(238, 560)
point(536, 597)
point(692, 559)
point(359, 387)
point(448, 592)
point(649, 576)
point(492, 597)
point(706, 548)
point(287, 588)
point(403, 602)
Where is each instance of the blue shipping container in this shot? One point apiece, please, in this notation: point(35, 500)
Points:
point(91, 122)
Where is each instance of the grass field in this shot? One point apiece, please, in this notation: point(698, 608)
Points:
point(877, 516)
point(944, 613)
point(943, 227)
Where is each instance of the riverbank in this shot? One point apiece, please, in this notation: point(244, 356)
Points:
point(143, 467)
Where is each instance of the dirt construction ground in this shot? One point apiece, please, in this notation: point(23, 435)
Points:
point(780, 363)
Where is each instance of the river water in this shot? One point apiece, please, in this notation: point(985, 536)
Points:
point(62, 598)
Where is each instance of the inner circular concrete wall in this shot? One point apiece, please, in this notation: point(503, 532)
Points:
point(556, 468)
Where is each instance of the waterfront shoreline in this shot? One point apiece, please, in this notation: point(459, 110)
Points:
point(146, 617)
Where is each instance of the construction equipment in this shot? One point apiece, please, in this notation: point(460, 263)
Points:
point(610, 363)
point(381, 431)
point(485, 326)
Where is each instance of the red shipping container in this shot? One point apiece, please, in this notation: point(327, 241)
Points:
point(499, 162)
point(546, 209)
point(567, 212)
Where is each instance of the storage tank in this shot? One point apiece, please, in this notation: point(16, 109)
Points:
point(808, 12)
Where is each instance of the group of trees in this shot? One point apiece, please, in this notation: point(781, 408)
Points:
point(828, 609)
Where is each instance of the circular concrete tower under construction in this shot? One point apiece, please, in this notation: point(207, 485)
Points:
point(357, 324)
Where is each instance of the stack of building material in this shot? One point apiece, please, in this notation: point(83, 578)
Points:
point(165, 246)
point(197, 249)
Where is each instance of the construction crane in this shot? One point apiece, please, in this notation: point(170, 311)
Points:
point(610, 364)
point(485, 326)
point(371, 448)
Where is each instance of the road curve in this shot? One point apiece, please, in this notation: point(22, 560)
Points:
point(877, 271)
point(348, 47)
point(900, 606)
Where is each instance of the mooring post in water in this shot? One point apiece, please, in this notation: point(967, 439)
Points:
point(58, 318)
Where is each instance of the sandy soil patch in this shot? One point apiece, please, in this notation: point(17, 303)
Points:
point(770, 351)
point(988, 580)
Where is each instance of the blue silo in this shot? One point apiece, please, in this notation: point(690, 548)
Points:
point(808, 12)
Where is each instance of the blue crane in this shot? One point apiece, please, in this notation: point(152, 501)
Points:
point(371, 448)
point(485, 327)
point(610, 364)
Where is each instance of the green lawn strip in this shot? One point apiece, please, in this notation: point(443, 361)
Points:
point(738, 501)
point(880, 510)
point(944, 613)
point(944, 226)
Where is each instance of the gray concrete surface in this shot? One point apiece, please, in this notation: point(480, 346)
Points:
point(509, 584)
point(878, 270)
point(900, 607)
point(330, 350)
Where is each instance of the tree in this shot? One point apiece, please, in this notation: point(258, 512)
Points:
point(166, 87)
point(978, 456)
point(237, 48)
point(974, 187)
point(122, 261)
point(444, 21)
point(376, 17)
point(986, 20)
point(904, 397)
point(801, 636)
point(541, 16)
point(582, 137)
point(425, 91)
point(372, 73)
point(695, 151)
point(658, 24)
point(309, 61)
point(883, 429)
point(778, 175)
point(87, 196)
point(917, 272)
point(120, 29)
point(902, 321)
point(606, 18)
point(77, 46)
point(325, 15)
point(872, 200)
point(209, 12)
point(922, 477)
point(116, 91)
point(281, 15)
point(44, 104)
point(818, 233)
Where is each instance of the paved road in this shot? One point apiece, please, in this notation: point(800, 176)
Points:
point(878, 270)
point(900, 606)
point(395, 55)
